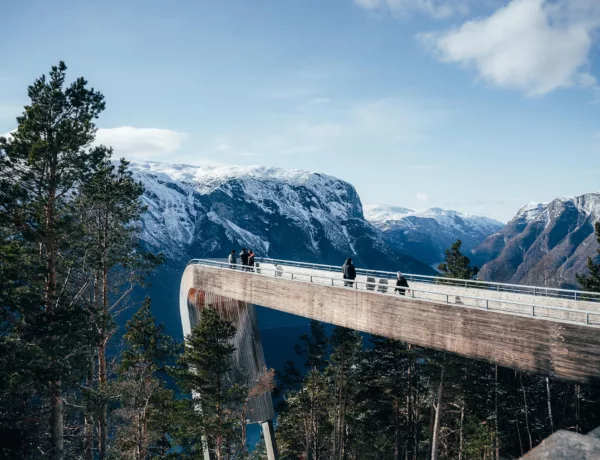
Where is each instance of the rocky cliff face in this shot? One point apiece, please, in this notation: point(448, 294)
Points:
point(427, 234)
point(545, 244)
point(205, 211)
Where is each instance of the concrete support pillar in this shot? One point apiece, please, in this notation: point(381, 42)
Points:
point(269, 434)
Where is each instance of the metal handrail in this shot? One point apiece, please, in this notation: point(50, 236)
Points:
point(376, 288)
point(477, 284)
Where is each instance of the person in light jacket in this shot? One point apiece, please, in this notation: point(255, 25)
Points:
point(349, 272)
point(401, 283)
point(232, 259)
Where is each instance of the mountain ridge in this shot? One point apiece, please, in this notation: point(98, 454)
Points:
point(544, 244)
point(428, 233)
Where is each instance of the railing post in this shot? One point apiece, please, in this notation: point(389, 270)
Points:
point(311, 279)
point(533, 310)
point(332, 281)
point(487, 304)
point(587, 318)
point(292, 276)
point(447, 301)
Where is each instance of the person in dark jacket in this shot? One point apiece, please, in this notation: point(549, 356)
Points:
point(349, 272)
point(251, 260)
point(244, 258)
point(232, 259)
point(400, 283)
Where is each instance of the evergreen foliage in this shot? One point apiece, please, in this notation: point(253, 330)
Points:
point(42, 164)
point(204, 367)
point(456, 264)
point(591, 281)
point(145, 403)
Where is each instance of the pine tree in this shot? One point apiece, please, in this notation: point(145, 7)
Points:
point(141, 388)
point(110, 205)
point(205, 366)
point(456, 264)
point(342, 369)
point(42, 164)
point(591, 282)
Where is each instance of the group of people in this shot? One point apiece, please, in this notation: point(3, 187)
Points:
point(246, 259)
point(349, 273)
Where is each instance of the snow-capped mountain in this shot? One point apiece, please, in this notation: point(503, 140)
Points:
point(545, 244)
point(427, 234)
point(205, 211)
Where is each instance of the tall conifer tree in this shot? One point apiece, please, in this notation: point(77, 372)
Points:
point(42, 164)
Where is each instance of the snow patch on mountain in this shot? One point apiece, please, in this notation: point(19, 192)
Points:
point(385, 217)
point(428, 233)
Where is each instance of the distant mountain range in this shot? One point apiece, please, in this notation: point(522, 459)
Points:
point(205, 211)
point(545, 244)
point(426, 234)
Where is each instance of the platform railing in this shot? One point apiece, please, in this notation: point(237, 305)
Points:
point(381, 287)
point(570, 294)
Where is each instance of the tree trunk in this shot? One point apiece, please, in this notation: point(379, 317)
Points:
point(549, 395)
point(519, 435)
point(577, 406)
point(102, 373)
point(102, 415)
point(88, 429)
point(56, 400)
point(397, 437)
point(526, 411)
point(408, 406)
point(56, 421)
point(496, 433)
point(435, 442)
point(461, 434)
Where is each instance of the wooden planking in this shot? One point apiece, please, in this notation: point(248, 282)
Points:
point(559, 349)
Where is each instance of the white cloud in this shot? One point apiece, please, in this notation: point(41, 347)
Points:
point(438, 9)
point(422, 196)
point(536, 46)
point(223, 147)
point(140, 143)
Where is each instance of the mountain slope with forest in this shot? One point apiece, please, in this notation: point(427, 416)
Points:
point(545, 244)
point(427, 234)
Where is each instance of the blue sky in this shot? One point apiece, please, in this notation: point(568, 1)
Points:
point(476, 105)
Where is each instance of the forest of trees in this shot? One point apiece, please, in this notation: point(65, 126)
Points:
point(72, 386)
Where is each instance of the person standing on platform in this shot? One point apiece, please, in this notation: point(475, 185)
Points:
point(349, 272)
point(232, 259)
point(244, 259)
point(251, 260)
point(401, 283)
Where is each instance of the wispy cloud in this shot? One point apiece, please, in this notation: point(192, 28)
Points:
point(140, 143)
point(422, 167)
point(422, 196)
point(536, 46)
point(438, 9)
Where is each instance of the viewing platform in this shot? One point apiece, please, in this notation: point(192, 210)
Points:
point(554, 332)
